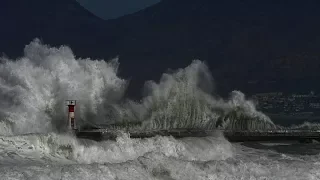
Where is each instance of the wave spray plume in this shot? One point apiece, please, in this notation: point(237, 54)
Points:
point(33, 90)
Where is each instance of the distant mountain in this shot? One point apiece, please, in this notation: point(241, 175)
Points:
point(55, 22)
point(273, 45)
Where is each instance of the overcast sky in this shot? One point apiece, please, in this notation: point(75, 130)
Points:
point(109, 9)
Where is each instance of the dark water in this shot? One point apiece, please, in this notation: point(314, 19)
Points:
point(287, 147)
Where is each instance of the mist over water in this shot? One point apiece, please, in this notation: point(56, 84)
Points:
point(33, 90)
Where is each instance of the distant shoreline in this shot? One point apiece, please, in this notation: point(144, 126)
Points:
point(287, 120)
point(293, 116)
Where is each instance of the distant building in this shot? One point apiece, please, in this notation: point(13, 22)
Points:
point(293, 104)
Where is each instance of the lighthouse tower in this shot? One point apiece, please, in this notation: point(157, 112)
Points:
point(71, 118)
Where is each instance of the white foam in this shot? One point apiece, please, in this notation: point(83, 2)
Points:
point(54, 147)
point(168, 159)
point(306, 125)
point(33, 90)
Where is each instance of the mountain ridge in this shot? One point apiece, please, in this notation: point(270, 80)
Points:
point(240, 40)
point(56, 22)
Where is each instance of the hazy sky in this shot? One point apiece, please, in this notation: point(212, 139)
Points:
point(109, 9)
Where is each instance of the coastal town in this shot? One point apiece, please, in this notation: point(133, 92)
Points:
point(293, 104)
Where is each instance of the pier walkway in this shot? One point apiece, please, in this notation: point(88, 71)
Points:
point(231, 135)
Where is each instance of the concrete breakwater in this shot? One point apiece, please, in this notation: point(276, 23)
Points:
point(231, 135)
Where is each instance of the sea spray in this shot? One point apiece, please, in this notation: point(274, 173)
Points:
point(183, 99)
point(53, 148)
point(33, 90)
point(305, 126)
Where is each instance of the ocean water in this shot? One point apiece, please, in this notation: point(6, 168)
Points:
point(34, 142)
point(63, 157)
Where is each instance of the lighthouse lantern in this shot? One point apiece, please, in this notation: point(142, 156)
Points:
point(71, 117)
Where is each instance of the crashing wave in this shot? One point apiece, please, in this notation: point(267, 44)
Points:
point(63, 148)
point(33, 90)
point(244, 115)
point(306, 126)
point(183, 99)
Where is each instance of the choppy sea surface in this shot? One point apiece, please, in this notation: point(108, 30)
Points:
point(63, 157)
point(33, 117)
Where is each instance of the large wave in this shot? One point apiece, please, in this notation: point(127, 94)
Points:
point(59, 148)
point(183, 99)
point(34, 87)
point(54, 156)
point(33, 90)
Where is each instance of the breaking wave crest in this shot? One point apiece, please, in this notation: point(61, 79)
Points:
point(34, 145)
point(51, 148)
point(183, 99)
point(56, 156)
point(33, 90)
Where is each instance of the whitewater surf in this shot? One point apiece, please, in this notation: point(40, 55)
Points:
point(34, 143)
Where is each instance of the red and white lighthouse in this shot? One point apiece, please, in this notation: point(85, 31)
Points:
point(71, 118)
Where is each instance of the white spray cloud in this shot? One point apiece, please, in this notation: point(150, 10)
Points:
point(33, 90)
point(183, 99)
